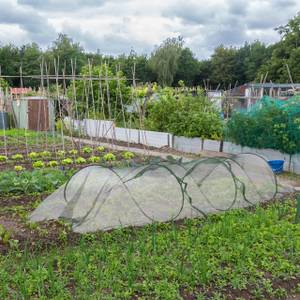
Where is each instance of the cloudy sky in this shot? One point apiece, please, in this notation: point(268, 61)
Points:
point(117, 26)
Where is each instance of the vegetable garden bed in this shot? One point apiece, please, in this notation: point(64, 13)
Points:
point(241, 254)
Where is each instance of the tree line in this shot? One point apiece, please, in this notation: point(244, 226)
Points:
point(168, 64)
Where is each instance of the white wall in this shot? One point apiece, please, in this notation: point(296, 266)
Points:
point(190, 145)
point(127, 135)
point(154, 138)
point(211, 145)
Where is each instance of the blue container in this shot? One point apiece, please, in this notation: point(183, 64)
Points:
point(276, 165)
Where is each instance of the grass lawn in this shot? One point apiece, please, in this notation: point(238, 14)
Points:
point(242, 254)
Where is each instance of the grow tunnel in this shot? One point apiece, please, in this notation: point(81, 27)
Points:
point(102, 198)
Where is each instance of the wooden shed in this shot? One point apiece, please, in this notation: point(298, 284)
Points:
point(34, 113)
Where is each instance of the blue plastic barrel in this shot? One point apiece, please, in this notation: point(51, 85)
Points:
point(276, 165)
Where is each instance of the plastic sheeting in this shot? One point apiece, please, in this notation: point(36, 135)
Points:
point(101, 198)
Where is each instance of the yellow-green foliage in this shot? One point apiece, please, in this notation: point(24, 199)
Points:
point(3, 158)
point(33, 155)
point(128, 155)
point(17, 157)
point(100, 149)
point(38, 164)
point(87, 149)
point(80, 160)
point(52, 163)
point(18, 168)
point(94, 159)
point(67, 161)
point(109, 157)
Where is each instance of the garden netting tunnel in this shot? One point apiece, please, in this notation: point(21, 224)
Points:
point(102, 198)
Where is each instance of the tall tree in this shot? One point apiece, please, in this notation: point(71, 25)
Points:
point(164, 60)
point(285, 52)
point(10, 63)
point(31, 59)
point(204, 73)
point(188, 68)
point(225, 64)
point(136, 65)
point(253, 55)
point(65, 49)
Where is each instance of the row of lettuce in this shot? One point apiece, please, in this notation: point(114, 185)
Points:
point(47, 159)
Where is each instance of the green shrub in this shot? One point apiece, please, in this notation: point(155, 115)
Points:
point(17, 157)
point(184, 115)
point(38, 164)
point(109, 157)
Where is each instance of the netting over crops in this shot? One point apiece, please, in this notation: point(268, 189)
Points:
point(270, 123)
point(102, 198)
point(291, 106)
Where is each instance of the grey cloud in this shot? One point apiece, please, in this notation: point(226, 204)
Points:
point(61, 5)
point(283, 3)
point(238, 7)
point(205, 24)
point(192, 13)
point(261, 23)
point(113, 43)
point(35, 25)
point(228, 35)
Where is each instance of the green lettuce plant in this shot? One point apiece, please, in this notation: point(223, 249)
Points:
point(52, 163)
point(17, 157)
point(94, 159)
point(73, 152)
point(45, 154)
point(128, 155)
point(80, 160)
point(38, 164)
point(61, 153)
point(3, 158)
point(67, 161)
point(18, 168)
point(109, 157)
point(87, 150)
point(33, 155)
point(100, 149)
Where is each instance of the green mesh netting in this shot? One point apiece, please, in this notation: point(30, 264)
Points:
point(102, 198)
point(270, 123)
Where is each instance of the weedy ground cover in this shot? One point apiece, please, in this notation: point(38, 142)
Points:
point(245, 254)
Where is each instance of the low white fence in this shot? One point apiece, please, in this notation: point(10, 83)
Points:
point(107, 129)
point(190, 145)
point(127, 135)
